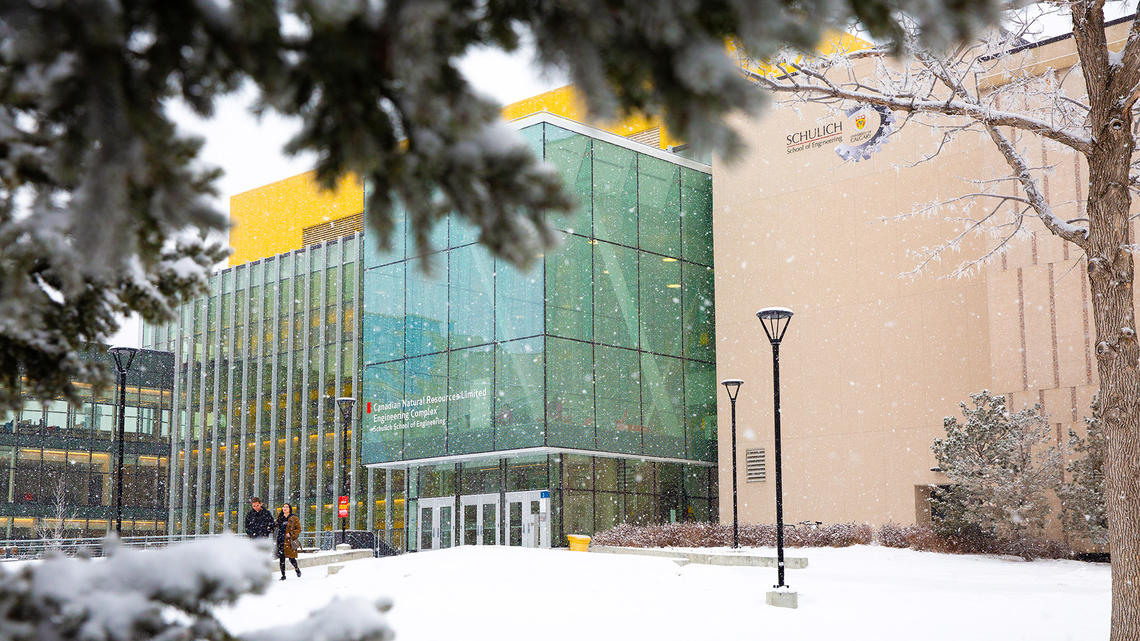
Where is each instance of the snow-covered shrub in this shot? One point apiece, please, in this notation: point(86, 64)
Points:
point(834, 535)
point(167, 594)
point(1082, 494)
point(927, 539)
point(700, 535)
point(1002, 470)
point(915, 537)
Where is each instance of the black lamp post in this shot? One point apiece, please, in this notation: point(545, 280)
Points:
point(732, 386)
point(345, 403)
point(775, 322)
point(124, 357)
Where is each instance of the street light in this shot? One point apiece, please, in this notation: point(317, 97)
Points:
point(124, 357)
point(345, 403)
point(732, 386)
point(775, 321)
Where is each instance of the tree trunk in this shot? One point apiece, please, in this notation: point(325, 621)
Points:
point(1110, 269)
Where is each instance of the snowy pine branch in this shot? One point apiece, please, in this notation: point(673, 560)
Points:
point(167, 594)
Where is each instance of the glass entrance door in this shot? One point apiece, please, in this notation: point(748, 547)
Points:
point(528, 519)
point(436, 523)
point(479, 519)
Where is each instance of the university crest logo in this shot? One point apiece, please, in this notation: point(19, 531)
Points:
point(861, 121)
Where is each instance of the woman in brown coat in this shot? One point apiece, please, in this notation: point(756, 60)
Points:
point(288, 531)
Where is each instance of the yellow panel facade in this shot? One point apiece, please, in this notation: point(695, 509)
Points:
point(565, 102)
point(269, 220)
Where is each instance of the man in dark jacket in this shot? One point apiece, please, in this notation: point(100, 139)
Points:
point(258, 522)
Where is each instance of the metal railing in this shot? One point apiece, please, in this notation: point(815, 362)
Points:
point(25, 549)
point(92, 546)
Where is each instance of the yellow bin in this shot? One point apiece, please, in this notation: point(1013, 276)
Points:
point(579, 542)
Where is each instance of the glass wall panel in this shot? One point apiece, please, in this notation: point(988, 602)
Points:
point(662, 390)
point(658, 205)
point(618, 404)
point(463, 232)
point(472, 280)
point(606, 474)
point(373, 254)
point(700, 410)
point(425, 324)
point(527, 473)
point(384, 313)
point(384, 417)
point(436, 480)
point(660, 280)
point(518, 301)
point(519, 394)
point(480, 477)
point(615, 295)
point(696, 481)
point(469, 401)
point(533, 137)
point(436, 238)
point(570, 290)
point(571, 156)
point(696, 217)
point(570, 393)
point(615, 194)
point(578, 512)
point(425, 400)
point(699, 316)
point(608, 510)
point(578, 472)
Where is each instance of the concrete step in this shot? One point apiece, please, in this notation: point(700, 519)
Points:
point(328, 558)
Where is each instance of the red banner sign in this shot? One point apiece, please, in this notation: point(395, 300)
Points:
point(342, 507)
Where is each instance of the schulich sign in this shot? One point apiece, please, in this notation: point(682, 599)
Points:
point(861, 132)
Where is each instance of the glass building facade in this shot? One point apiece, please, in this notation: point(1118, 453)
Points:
point(58, 462)
point(495, 405)
point(588, 378)
point(259, 362)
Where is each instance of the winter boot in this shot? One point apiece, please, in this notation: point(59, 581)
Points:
point(282, 576)
point(298, 572)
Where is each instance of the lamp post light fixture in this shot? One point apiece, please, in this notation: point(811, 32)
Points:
point(775, 321)
point(345, 403)
point(124, 357)
point(732, 386)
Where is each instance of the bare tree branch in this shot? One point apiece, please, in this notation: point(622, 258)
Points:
point(1072, 233)
point(824, 87)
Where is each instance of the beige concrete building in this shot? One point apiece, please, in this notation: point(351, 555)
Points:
point(873, 360)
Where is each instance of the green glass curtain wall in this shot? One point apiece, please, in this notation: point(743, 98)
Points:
point(605, 343)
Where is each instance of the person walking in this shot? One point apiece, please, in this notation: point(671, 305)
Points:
point(288, 529)
point(258, 521)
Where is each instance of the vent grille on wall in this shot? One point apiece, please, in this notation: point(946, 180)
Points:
point(331, 230)
point(755, 465)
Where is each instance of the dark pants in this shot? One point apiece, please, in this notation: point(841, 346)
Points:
point(281, 559)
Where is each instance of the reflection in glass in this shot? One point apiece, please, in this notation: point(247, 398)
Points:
point(658, 205)
point(615, 295)
point(519, 411)
point(615, 194)
point(569, 290)
point(571, 156)
point(470, 525)
point(660, 304)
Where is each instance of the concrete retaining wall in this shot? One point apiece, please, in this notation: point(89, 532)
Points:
point(709, 558)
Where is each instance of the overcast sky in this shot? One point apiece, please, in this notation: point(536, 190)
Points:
point(249, 149)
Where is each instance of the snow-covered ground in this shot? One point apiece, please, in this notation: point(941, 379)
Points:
point(851, 594)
